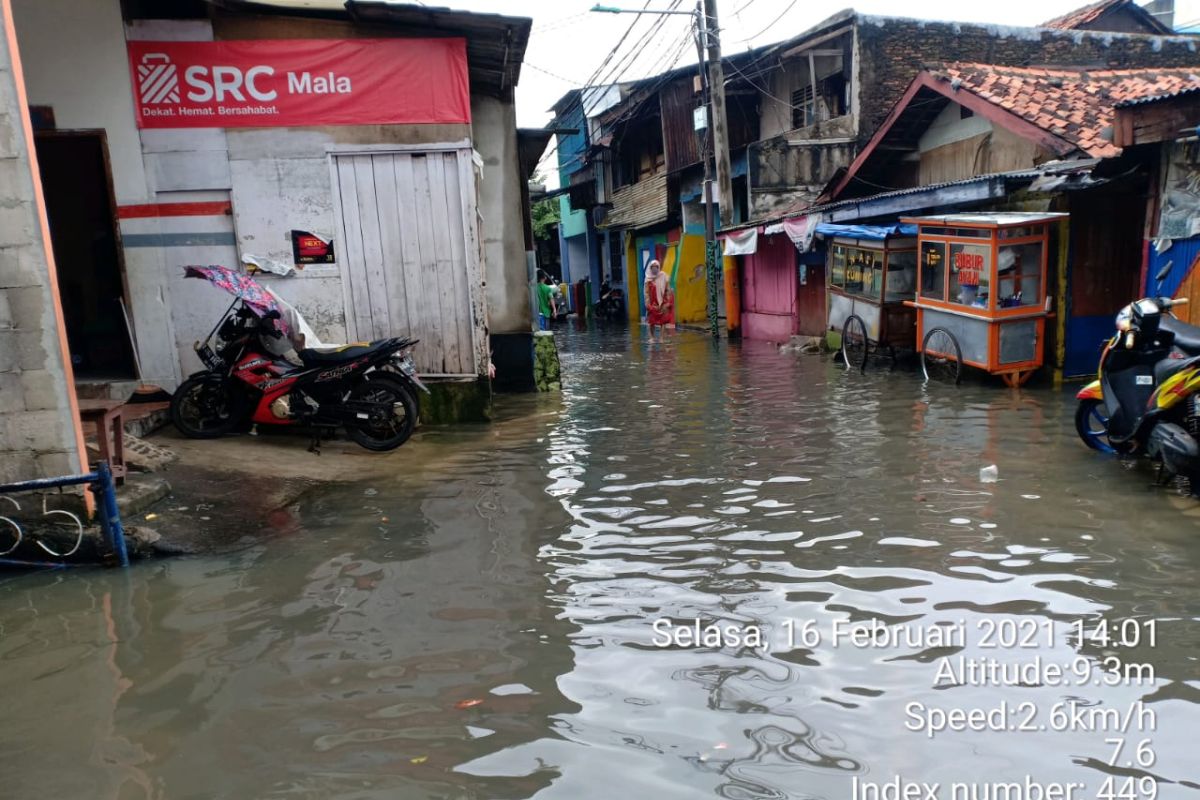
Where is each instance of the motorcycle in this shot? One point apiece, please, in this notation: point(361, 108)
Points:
point(1146, 400)
point(366, 388)
point(611, 304)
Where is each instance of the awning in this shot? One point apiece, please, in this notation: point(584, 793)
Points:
point(741, 243)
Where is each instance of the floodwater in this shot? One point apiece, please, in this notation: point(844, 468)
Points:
point(483, 626)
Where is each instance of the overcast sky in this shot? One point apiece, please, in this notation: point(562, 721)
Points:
point(568, 42)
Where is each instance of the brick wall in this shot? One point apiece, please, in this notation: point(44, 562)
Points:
point(37, 429)
point(892, 51)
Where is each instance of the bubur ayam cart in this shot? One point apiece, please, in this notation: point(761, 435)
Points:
point(872, 272)
point(981, 293)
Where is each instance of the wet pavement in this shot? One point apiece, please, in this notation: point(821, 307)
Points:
point(482, 624)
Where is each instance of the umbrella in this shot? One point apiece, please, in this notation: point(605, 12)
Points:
point(241, 286)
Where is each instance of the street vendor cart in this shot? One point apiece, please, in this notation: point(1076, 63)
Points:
point(872, 271)
point(981, 293)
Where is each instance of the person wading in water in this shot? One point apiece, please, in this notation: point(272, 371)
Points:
point(658, 298)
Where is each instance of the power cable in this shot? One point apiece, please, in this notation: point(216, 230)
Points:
point(774, 22)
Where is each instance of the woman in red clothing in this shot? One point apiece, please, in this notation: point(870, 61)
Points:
point(659, 303)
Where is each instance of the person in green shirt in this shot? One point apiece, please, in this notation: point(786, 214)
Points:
point(546, 304)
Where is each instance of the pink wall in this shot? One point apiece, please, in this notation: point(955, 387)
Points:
point(769, 290)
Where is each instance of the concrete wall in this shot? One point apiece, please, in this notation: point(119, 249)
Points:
point(39, 435)
point(494, 132)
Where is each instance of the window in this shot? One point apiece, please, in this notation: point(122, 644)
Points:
point(933, 270)
point(857, 270)
point(804, 107)
point(1019, 275)
point(837, 268)
point(970, 274)
point(901, 275)
point(871, 269)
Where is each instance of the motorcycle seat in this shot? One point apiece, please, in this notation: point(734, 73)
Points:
point(319, 356)
point(1187, 337)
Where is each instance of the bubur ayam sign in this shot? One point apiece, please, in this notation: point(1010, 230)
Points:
point(299, 82)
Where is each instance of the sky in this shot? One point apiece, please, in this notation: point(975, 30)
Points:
point(568, 42)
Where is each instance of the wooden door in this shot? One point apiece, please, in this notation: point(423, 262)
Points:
point(410, 254)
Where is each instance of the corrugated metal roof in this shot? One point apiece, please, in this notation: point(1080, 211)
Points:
point(639, 205)
point(1158, 97)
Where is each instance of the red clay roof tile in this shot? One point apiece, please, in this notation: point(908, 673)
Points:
point(1077, 105)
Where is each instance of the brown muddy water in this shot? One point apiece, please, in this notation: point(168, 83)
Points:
point(483, 625)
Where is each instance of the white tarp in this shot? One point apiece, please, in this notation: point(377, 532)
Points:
point(801, 230)
point(741, 243)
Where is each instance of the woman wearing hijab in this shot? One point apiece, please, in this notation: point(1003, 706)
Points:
point(658, 297)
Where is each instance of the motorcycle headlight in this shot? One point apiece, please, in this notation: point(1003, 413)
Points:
point(1124, 318)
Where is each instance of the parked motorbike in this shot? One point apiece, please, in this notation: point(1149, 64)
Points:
point(1147, 399)
point(611, 304)
point(367, 388)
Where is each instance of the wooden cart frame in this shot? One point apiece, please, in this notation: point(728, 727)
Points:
point(868, 283)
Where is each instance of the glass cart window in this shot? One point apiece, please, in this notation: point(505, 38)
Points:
point(872, 273)
point(837, 268)
point(1019, 275)
point(933, 270)
point(901, 275)
point(970, 273)
point(854, 270)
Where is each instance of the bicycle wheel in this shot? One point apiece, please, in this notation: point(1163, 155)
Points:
point(854, 343)
point(941, 357)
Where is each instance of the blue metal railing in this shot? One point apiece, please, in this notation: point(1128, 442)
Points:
point(101, 483)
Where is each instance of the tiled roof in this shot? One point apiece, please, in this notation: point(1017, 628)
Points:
point(1075, 105)
point(1080, 17)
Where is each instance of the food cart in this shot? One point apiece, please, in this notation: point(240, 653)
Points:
point(981, 293)
point(872, 272)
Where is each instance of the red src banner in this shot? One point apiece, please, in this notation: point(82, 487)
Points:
point(299, 82)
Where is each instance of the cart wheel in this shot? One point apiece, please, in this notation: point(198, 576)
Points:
point(941, 357)
point(854, 343)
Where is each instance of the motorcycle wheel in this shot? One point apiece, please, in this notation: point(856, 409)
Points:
point(389, 434)
point(206, 407)
point(1091, 423)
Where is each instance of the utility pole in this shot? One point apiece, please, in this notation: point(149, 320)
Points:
point(720, 120)
point(716, 132)
point(710, 229)
point(713, 81)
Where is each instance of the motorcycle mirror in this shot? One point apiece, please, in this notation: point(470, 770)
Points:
point(1164, 272)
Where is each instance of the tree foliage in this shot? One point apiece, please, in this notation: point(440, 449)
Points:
point(545, 217)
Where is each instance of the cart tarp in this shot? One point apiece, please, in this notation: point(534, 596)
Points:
point(872, 232)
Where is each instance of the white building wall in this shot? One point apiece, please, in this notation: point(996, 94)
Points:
point(274, 180)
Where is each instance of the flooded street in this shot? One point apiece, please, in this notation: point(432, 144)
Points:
point(484, 625)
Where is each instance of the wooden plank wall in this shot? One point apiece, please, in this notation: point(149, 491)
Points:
point(411, 254)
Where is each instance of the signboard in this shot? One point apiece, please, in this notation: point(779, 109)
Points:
point(299, 82)
point(308, 248)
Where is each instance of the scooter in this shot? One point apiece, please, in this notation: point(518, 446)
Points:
point(1146, 401)
point(611, 304)
point(367, 388)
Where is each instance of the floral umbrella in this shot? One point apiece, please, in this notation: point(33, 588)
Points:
point(241, 286)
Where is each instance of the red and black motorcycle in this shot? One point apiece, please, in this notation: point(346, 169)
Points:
point(366, 388)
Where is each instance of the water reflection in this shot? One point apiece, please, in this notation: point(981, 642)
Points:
point(483, 625)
